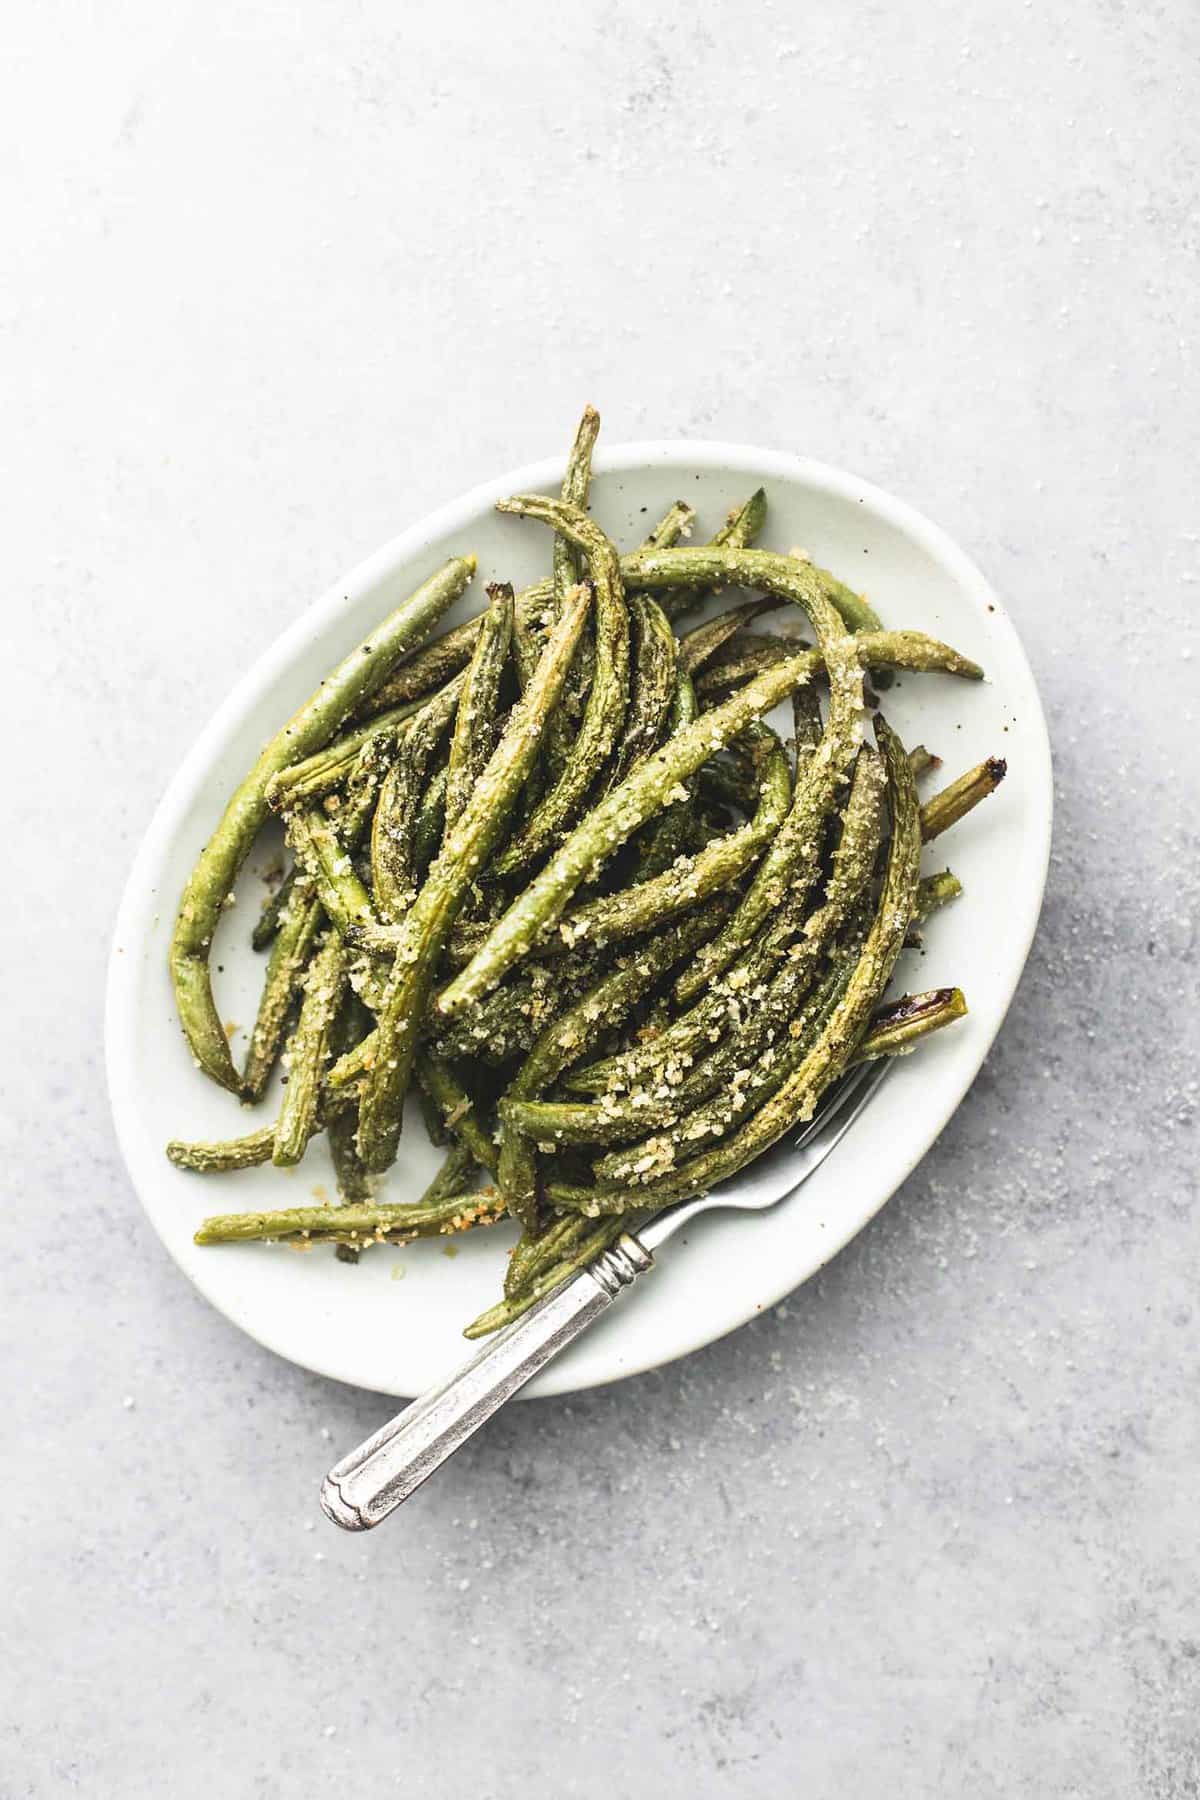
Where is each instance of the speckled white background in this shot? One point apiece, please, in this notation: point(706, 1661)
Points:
point(280, 278)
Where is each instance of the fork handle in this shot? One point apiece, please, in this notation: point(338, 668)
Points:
point(373, 1480)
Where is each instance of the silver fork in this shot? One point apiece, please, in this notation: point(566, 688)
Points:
point(376, 1478)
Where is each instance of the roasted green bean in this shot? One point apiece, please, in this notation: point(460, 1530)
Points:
point(364, 1223)
point(341, 1121)
point(897, 1026)
point(327, 860)
point(675, 523)
point(667, 1176)
point(307, 1051)
point(428, 923)
point(421, 673)
point(219, 1158)
point(605, 709)
point(698, 646)
point(452, 1178)
point(565, 1040)
point(208, 888)
point(949, 805)
point(457, 1108)
point(327, 769)
point(299, 924)
point(394, 870)
point(266, 926)
point(584, 1251)
point(740, 528)
point(764, 1009)
point(633, 910)
point(605, 928)
point(475, 722)
point(537, 1251)
point(652, 686)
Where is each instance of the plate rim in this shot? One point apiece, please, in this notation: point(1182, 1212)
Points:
point(137, 898)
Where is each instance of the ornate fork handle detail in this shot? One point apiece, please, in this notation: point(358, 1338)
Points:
point(373, 1480)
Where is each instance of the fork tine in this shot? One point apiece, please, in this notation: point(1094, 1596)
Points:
point(804, 1155)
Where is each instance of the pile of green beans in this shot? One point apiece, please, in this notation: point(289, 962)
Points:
point(555, 873)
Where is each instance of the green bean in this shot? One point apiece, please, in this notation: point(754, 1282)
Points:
point(562, 727)
point(693, 1032)
point(537, 1251)
point(361, 1223)
point(431, 1114)
point(393, 828)
point(529, 629)
point(299, 924)
point(741, 527)
point(605, 708)
point(795, 1100)
point(726, 784)
point(526, 649)
point(898, 1026)
point(675, 523)
point(743, 523)
point(666, 838)
point(508, 1021)
point(742, 1092)
point(451, 1178)
point(508, 1309)
point(503, 1026)
point(806, 726)
point(701, 644)
point(475, 721)
point(653, 680)
point(749, 655)
point(653, 685)
point(676, 1084)
point(341, 1121)
point(219, 1159)
point(307, 1052)
point(576, 481)
point(266, 926)
point(457, 1108)
point(618, 815)
point(633, 910)
point(566, 1039)
point(429, 668)
point(567, 570)
point(935, 891)
point(328, 768)
point(429, 825)
point(793, 853)
point(912, 651)
point(949, 805)
point(859, 615)
point(328, 862)
point(428, 923)
point(211, 882)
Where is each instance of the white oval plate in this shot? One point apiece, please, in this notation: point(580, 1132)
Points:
point(393, 1322)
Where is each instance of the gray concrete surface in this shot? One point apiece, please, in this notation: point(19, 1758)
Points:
point(281, 278)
